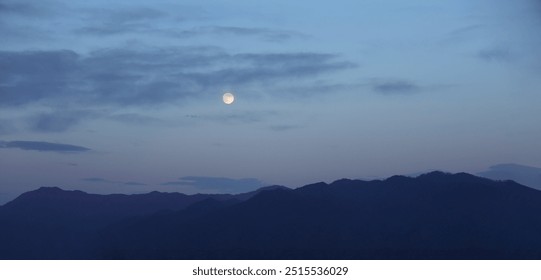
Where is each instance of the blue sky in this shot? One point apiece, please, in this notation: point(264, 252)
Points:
point(126, 96)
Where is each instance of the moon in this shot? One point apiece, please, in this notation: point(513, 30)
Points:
point(228, 98)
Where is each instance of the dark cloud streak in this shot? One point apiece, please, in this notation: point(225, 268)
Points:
point(134, 184)
point(284, 127)
point(106, 181)
point(24, 8)
point(115, 22)
point(132, 118)
point(495, 54)
point(266, 34)
point(97, 180)
point(27, 77)
point(395, 87)
point(42, 146)
point(239, 117)
point(58, 121)
point(173, 183)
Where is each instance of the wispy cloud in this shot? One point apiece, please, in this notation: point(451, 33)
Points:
point(42, 146)
point(59, 120)
point(316, 88)
point(62, 120)
point(8, 7)
point(135, 20)
point(97, 180)
point(495, 54)
point(100, 180)
point(395, 87)
point(133, 118)
point(174, 183)
point(134, 184)
point(462, 34)
point(284, 127)
point(238, 117)
point(145, 76)
point(26, 20)
point(118, 21)
point(24, 8)
point(6, 127)
point(267, 34)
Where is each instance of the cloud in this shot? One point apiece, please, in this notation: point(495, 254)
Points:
point(151, 21)
point(106, 181)
point(42, 146)
point(119, 21)
point(462, 35)
point(6, 127)
point(284, 127)
point(129, 77)
point(129, 14)
point(23, 8)
point(32, 76)
point(495, 54)
point(174, 183)
point(7, 7)
point(23, 20)
point(63, 120)
point(301, 63)
point(58, 121)
point(465, 30)
point(134, 184)
point(239, 117)
point(312, 89)
point(133, 118)
point(97, 180)
point(395, 87)
point(246, 117)
point(267, 34)
point(218, 184)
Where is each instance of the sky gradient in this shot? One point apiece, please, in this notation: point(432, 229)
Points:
point(125, 97)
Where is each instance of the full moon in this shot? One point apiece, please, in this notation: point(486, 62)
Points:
point(228, 98)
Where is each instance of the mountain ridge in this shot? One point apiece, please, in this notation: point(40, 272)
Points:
point(433, 216)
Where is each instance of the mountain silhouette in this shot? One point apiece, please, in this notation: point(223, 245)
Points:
point(51, 223)
point(433, 216)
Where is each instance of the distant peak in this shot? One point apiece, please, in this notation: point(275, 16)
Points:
point(53, 191)
point(273, 187)
point(434, 174)
point(343, 180)
point(397, 177)
point(457, 177)
point(49, 189)
point(318, 184)
point(315, 186)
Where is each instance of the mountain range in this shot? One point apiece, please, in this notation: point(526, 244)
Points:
point(433, 216)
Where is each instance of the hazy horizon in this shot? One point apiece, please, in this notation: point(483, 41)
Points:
point(524, 175)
